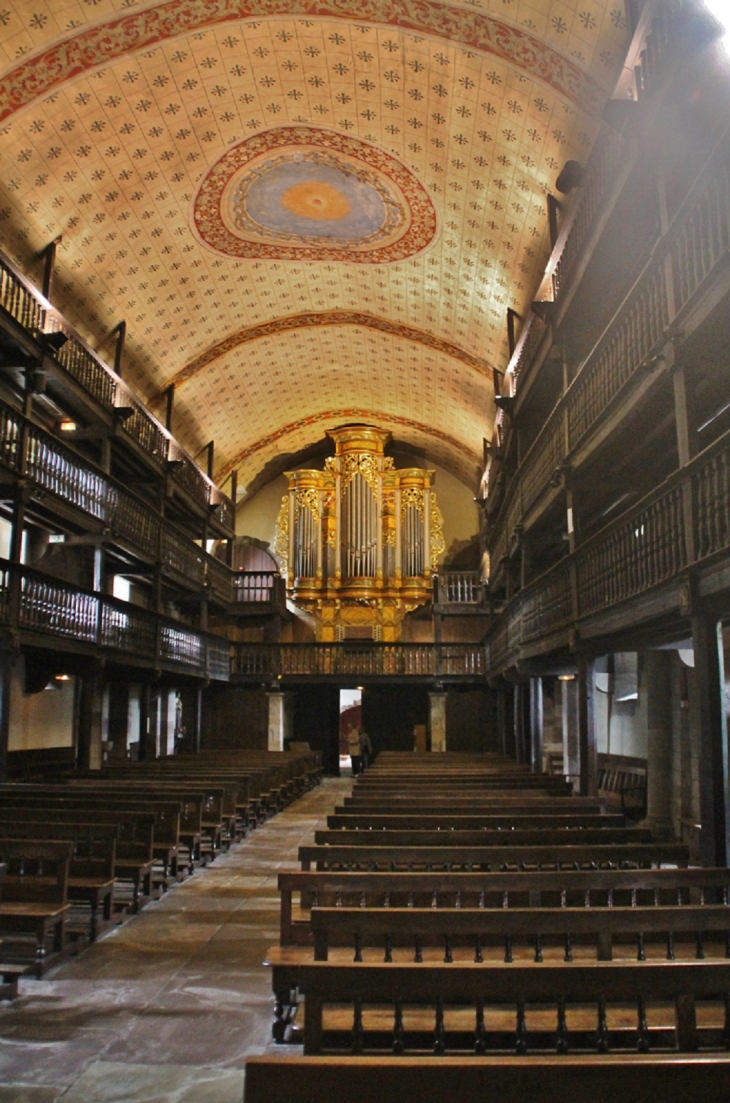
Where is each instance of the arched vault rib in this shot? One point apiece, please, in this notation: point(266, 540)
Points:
point(350, 413)
point(309, 320)
point(40, 73)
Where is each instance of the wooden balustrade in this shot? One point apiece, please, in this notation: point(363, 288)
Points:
point(38, 604)
point(645, 547)
point(362, 660)
point(460, 588)
point(27, 307)
point(255, 587)
point(694, 247)
point(60, 471)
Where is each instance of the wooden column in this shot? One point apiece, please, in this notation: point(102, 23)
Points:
point(6, 662)
point(656, 682)
point(571, 742)
point(586, 728)
point(713, 765)
point(118, 718)
point(89, 731)
point(147, 724)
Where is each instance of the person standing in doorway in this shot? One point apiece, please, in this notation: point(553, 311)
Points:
point(353, 746)
point(366, 749)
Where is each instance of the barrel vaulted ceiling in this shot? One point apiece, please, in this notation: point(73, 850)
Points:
point(308, 212)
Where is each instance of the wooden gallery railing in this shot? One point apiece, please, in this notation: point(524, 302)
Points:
point(34, 604)
point(362, 660)
point(26, 306)
point(28, 451)
point(694, 248)
point(680, 526)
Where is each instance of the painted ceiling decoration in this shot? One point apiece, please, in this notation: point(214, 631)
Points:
point(324, 318)
point(300, 193)
point(354, 413)
point(305, 211)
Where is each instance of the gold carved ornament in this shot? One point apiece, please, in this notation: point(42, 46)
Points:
point(411, 497)
point(306, 499)
point(361, 464)
point(438, 544)
point(281, 539)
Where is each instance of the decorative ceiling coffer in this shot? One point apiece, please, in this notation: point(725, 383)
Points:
point(359, 541)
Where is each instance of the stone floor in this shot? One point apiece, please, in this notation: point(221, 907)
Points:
point(167, 1007)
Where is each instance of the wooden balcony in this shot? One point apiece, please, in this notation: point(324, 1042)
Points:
point(56, 472)
point(258, 591)
point(366, 662)
point(42, 611)
point(22, 304)
point(673, 542)
point(458, 588)
point(631, 353)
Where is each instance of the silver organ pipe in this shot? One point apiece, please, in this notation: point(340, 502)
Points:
point(306, 544)
point(412, 543)
point(359, 529)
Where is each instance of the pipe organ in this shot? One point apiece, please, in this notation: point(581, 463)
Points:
point(359, 541)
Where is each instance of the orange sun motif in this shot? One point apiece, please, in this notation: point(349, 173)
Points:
point(315, 199)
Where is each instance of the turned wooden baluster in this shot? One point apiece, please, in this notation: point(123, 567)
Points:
point(398, 1044)
point(357, 1031)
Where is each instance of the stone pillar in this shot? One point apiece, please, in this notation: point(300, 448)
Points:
point(713, 764)
point(536, 726)
point(437, 720)
point(571, 744)
point(277, 720)
point(586, 728)
point(656, 682)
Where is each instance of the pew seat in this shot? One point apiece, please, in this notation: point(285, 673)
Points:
point(34, 903)
point(581, 1078)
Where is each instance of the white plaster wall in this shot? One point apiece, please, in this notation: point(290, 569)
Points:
point(42, 720)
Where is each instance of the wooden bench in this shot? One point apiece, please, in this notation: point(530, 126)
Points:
point(34, 899)
point(430, 820)
point(481, 929)
point(500, 999)
point(582, 1078)
point(567, 888)
point(372, 855)
point(520, 837)
point(91, 869)
point(622, 781)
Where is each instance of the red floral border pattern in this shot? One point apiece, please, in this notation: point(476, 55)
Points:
point(308, 320)
point(214, 233)
point(40, 73)
point(352, 413)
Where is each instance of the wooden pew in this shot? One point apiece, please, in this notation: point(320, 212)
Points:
point(480, 929)
point(565, 888)
point(520, 837)
point(34, 898)
point(508, 990)
point(582, 1078)
point(372, 855)
point(91, 878)
point(486, 820)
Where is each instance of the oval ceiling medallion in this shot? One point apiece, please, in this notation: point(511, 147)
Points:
point(301, 193)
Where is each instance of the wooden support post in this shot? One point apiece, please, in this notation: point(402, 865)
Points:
point(512, 317)
point(121, 332)
point(49, 265)
point(6, 658)
point(210, 446)
point(553, 206)
point(656, 683)
point(89, 733)
point(117, 725)
point(713, 770)
point(586, 728)
point(147, 724)
point(169, 406)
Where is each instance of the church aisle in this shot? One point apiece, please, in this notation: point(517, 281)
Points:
point(167, 1007)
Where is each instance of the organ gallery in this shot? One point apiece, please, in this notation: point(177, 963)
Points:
point(359, 541)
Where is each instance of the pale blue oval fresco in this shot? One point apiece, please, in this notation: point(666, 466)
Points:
point(264, 202)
